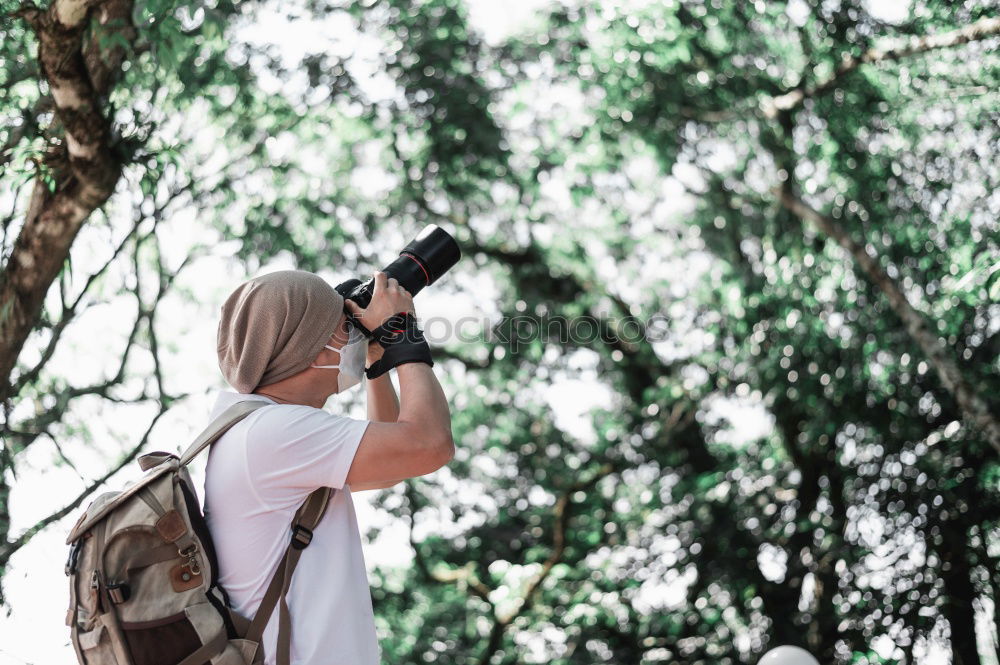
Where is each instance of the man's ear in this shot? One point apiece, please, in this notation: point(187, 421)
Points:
point(341, 335)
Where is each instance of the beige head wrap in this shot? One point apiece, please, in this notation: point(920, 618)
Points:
point(274, 326)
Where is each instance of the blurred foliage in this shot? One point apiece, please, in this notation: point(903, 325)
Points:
point(613, 160)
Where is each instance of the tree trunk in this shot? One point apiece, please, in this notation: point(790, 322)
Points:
point(84, 168)
point(956, 572)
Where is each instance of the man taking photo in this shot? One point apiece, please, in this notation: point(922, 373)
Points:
point(286, 340)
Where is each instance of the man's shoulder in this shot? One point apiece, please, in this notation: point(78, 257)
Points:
point(281, 421)
point(284, 421)
point(226, 398)
point(277, 418)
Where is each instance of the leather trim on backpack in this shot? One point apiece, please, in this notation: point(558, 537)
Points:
point(171, 526)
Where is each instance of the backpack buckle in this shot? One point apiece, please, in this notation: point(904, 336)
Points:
point(74, 556)
point(301, 537)
point(191, 553)
point(119, 592)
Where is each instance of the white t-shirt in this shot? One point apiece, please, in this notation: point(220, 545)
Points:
point(257, 476)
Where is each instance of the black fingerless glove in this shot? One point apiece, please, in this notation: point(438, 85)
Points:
point(403, 342)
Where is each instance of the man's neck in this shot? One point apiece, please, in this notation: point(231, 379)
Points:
point(285, 396)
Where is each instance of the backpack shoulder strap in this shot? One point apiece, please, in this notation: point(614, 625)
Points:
point(220, 426)
point(306, 519)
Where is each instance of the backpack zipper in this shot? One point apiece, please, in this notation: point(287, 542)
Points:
point(95, 588)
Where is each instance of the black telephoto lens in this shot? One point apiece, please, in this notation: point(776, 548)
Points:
point(430, 255)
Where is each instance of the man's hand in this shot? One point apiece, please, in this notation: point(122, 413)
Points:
point(388, 298)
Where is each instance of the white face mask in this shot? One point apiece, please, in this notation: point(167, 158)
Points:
point(352, 360)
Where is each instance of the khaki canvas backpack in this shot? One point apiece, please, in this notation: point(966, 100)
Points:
point(144, 577)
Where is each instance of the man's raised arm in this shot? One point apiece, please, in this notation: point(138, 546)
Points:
point(420, 440)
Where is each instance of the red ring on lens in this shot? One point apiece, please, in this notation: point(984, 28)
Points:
point(417, 261)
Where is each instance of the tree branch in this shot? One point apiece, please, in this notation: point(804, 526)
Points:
point(7, 549)
point(792, 99)
point(562, 513)
point(470, 363)
point(29, 430)
point(972, 405)
point(69, 312)
point(464, 575)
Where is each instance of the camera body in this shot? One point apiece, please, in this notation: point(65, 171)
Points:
point(427, 257)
